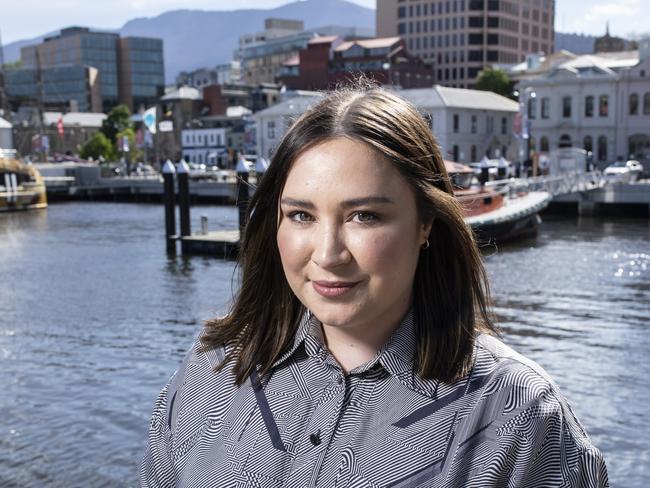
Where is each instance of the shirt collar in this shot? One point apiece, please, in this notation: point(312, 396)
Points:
point(396, 356)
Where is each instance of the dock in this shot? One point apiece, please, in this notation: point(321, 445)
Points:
point(222, 244)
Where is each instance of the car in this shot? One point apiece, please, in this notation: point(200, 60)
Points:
point(618, 171)
point(636, 169)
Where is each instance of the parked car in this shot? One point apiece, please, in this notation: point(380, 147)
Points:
point(618, 171)
point(636, 169)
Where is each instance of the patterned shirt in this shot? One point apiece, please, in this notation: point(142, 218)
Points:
point(307, 424)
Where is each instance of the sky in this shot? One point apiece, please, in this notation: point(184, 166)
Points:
point(24, 19)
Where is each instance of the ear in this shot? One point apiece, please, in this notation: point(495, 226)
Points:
point(425, 230)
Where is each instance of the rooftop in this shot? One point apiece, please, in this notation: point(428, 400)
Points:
point(369, 43)
point(80, 119)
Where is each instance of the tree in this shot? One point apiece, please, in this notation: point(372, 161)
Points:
point(133, 154)
point(494, 80)
point(117, 120)
point(97, 146)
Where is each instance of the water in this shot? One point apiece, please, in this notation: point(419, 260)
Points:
point(94, 318)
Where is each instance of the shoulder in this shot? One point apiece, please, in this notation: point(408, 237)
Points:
point(532, 400)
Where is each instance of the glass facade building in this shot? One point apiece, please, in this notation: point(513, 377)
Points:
point(130, 69)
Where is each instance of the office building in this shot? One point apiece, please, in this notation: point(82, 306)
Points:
point(461, 37)
point(128, 70)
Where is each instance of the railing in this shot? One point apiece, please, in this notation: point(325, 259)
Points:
point(569, 182)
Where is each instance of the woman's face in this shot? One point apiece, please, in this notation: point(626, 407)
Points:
point(349, 236)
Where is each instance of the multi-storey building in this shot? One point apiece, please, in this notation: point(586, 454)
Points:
point(598, 102)
point(461, 37)
point(468, 124)
point(221, 74)
point(204, 146)
point(329, 60)
point(74, 88)
point(129, 70)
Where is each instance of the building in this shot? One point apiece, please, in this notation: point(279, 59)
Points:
point(598, 102)
point(611, 44)
point(78, 128)
point(221, 74)
point(461, 37)
point(204, 146)
point(264, 54)
point(75, 88)
point(468, 124)
point(141, 71)
point(329, 60)
point(127, 70)
point(6, 135)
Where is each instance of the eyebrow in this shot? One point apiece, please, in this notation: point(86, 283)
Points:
point(353, 202)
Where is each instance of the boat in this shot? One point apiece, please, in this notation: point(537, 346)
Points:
point(21, 185)
point(493, 213)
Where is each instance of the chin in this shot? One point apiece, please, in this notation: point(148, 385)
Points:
point(334, 315)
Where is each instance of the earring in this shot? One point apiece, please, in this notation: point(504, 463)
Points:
point(425, 246)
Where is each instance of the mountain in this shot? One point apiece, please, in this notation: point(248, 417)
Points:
point(204, 38)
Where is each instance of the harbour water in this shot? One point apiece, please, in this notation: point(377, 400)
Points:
point(94, 318)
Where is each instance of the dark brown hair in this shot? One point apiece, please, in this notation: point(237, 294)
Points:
point(450, 286)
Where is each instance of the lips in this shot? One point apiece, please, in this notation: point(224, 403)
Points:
point(333, 288)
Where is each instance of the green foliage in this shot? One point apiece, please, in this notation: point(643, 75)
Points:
point(97, 146)
point(494, 80)
point(116, 121)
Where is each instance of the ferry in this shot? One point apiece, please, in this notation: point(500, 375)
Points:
point(491, 211)
point(21, 185)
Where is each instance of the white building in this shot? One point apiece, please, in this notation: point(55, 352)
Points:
point(597, 102)
point(204, 146)
point(468, 124)
point(6, 136)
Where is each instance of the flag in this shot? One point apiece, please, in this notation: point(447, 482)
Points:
point(59, 127)
point(149, 119)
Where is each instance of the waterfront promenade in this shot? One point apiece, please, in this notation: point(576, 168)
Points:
point(94, 318)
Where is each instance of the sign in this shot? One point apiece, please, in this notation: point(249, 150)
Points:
point(125, 144)
point(149, 119)
point(165, 126)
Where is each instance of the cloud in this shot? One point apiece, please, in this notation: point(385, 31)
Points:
point(605, 11)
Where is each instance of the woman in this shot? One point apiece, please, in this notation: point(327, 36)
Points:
point(359, 350)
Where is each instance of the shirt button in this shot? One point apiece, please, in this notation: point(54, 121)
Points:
point(315, 439)
point(339, 380)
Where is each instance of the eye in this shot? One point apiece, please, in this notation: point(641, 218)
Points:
point(299, 216)
point(365, 217)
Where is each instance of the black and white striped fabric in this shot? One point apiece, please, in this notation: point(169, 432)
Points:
point(309, 425)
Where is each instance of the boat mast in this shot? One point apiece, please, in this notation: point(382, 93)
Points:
point(39, 87)
point(5, 112)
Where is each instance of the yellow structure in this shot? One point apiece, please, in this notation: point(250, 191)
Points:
point(21, 185)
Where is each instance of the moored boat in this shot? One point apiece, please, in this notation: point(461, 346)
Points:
point(21, 185)
point(491, 211)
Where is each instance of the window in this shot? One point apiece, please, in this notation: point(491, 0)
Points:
point(602, 148)
point(474, 124)
point(473, 158)
point(456, 122)
point(270, 127)
point(456, 152)
point(566, 107)
point(589, 106)
point(565, 141)
point(401, 28)
point(504, 125)
point(532, 108)
point(543, 144)
point(401, 12)
point(489, 124)
point(646, 104)
point(634, 104)
point(546, 107)
point(588, 144)
point(603, 106)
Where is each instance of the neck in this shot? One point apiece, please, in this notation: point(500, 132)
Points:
point(354, 346)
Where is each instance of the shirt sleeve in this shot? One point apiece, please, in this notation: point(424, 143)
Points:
point(157, 469)
point(545, 445)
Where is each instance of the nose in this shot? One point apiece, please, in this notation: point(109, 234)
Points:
point(329, 247)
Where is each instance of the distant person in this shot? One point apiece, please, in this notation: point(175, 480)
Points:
point(360, 350)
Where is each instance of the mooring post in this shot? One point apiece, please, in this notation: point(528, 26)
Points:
point(168, 172)
point(183, 175)
point(242, 192)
